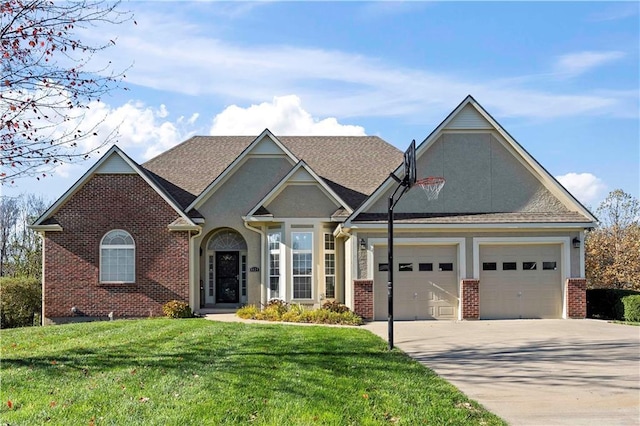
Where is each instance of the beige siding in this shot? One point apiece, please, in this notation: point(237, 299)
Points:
point(483, 176)
point(302, 201)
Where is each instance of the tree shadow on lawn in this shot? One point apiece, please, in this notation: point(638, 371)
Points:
point(228, 356)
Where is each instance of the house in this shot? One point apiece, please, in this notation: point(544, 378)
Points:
point(220, 222)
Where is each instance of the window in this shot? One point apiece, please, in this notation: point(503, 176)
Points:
point(425, 267)
point(302, 264)
point(509, 266)
point(274, 265)
point(329, 266)
point(529, 266)
point(383, 267)
point(405, 267)
point(445, 266)
point(549, 266)
point(489, 266)
point(117, 257)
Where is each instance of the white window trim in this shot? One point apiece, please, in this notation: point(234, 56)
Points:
point(280, 275)
point(311, 275)
point(119, 246)
point(324, 260)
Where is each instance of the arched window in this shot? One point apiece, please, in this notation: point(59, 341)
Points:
point(117, 257)
point(227, 240)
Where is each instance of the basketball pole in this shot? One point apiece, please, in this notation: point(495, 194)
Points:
point(404, 184)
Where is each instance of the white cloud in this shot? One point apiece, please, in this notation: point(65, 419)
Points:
point(586, 187)
point(283, 116)
point(574, 64)
point(340, 83)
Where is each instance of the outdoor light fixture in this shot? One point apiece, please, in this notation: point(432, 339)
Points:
point(363, 244)
point(576, 243)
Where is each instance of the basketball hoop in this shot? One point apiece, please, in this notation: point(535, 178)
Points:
point(431, 186)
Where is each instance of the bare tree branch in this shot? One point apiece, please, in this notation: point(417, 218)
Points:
point(47, 83)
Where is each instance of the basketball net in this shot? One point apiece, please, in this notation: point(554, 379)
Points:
point(431, 186)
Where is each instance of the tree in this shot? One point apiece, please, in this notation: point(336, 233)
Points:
point(613, 248)
point(20, 247)
point(47, 83)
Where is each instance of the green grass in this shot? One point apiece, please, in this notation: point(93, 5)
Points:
point(199, 372)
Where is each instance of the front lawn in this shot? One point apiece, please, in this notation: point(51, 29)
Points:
point(199, 372)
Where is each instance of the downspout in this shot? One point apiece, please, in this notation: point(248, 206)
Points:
point(41, 235)
point(194, 257)
point(263, 268)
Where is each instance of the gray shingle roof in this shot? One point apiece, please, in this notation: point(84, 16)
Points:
point(353, 166)
point(479, 218)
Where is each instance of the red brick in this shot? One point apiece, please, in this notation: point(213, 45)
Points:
point(576, 297)
point(363, 298)
point(470, 299)
point(72, 256)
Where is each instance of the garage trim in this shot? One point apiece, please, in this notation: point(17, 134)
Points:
point(460, 242)
point(565, 253)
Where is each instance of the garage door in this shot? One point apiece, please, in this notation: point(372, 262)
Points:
point(425, 283)
point(520, 282)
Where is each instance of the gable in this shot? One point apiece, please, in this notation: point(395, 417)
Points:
point(468, 118)
point(483, 176)
point(113, 163)
point(288, 202)
point(301, 193)
point(486, 170)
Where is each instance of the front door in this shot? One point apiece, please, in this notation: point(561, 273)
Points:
point(227, 277)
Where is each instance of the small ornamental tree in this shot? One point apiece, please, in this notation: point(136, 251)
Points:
point(46, 83)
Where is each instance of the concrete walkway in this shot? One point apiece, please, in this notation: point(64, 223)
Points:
point(533, 372)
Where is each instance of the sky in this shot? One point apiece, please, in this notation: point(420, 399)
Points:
point(562, 78)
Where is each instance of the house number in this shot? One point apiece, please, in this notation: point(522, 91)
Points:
point(254, 269)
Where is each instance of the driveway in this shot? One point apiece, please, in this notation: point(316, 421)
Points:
point(533, 372)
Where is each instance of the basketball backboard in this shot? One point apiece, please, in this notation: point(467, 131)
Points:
point(410, 165)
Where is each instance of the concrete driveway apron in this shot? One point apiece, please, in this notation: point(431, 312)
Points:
point(533, 372)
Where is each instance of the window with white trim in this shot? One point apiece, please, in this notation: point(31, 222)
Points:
point(117, 257)
point(302, 264)
point(274, 265)
point(329, 266)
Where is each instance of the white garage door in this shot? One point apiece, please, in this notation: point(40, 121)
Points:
point(425, 283)
point(520, 282)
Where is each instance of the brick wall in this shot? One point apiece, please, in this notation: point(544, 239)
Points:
point(72, 256)
point(363, 298)
point(470, 299)
point(576, 298)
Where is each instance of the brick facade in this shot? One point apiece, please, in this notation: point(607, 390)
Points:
point(470, 299)
point(576, 297)
point(363, 298)
point(104, 203)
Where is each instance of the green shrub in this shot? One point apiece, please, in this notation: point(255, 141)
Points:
point(177, 309)
point(334, 306)
point(248, 312)
point(631, 308)
point(20, 302)
point(606, 303)
point(277, 306)
point(278, 310)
